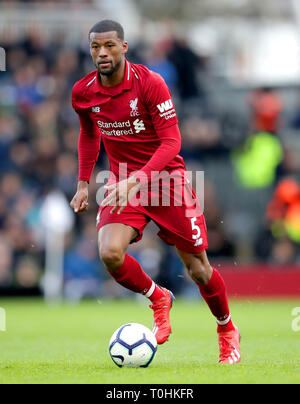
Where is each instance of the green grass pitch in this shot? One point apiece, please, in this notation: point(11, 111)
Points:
point(69, 344)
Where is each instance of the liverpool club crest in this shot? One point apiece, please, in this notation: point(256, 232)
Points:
point(134, 109)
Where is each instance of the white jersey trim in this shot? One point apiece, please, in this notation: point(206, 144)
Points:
point(88, 84)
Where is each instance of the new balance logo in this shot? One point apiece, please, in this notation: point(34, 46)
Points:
point(139, 125)
point(96, 109)
point(165, 106)
point(198, 242)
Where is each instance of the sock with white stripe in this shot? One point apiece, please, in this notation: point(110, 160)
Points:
point(215, 295)
point(131, 276)
point(156, 295)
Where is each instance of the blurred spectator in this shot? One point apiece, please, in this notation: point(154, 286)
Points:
point(200, 138)
point(220, 246)
point(283, 252)
point(256, 162)
point(280, 241)
point(266, 108)
point(27, 272)
point(82, 271)
point(66, 173)
point(284, 208)
point(157, 60)
point(6, 261)
point(187, 64)
point(9, 131)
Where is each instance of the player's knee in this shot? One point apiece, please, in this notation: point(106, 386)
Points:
point(111, 256)
point(200, 271)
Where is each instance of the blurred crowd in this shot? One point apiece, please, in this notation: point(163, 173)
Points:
point(241, 149)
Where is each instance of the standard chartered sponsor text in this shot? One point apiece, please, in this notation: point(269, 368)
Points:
point(115, 124)
point(115, 128)
point(117, 132)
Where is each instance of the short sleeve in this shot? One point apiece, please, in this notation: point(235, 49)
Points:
point(159, 102)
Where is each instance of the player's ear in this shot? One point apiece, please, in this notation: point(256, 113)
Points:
point(125, 47)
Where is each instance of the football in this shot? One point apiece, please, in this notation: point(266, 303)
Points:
point(132, 345)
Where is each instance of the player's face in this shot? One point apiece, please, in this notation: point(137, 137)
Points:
point(107, 51)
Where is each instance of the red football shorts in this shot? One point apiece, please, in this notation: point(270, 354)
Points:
point(183, 226)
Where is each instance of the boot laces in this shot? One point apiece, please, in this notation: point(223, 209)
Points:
point(226, 346)
point(159, 311)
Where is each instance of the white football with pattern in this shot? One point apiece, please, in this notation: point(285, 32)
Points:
point(132, 345)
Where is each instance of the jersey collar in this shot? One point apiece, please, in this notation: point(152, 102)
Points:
point(115, 90)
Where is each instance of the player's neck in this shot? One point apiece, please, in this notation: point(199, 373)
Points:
point(116, 78)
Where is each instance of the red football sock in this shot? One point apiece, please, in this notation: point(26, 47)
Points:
point(131, 276)
point(157, 293)
point(214, 293)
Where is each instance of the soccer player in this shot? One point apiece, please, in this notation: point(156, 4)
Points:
point(130, 108)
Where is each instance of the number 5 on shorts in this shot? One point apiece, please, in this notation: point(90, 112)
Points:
point(197, 228)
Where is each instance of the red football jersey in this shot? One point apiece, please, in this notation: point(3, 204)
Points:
point(127, 117)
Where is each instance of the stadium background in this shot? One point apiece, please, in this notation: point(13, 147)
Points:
point(233, 69)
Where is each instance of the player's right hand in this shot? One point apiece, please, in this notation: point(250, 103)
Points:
point(79, 202)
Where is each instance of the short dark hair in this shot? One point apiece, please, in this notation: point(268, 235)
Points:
point(108, 25)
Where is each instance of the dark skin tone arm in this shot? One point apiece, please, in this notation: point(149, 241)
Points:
point(79, 202)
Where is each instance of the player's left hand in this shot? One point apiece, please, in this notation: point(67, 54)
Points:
point(120, 193)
